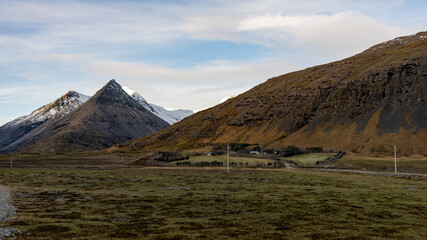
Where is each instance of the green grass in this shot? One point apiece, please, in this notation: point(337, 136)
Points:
point(151, 203)
point(309, 158)
point(240, 161)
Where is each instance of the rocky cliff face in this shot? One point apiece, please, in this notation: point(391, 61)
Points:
point(365, 104)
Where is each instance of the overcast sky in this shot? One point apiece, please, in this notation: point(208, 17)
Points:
point(181, 54)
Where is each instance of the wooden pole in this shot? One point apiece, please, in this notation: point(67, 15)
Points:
point(395, 161)
point(228, 158)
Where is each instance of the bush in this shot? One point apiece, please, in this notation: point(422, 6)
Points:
point(167, 156)
point(290, 151)
point(185, 163)
point(256, 148)
point(236, 147)
point(209, 164)
point(314, 150)
point(271, 151)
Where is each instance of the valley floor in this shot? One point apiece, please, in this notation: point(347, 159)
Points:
point(195, 203)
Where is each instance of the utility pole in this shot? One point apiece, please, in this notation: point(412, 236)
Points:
point(10, 161)
point(228, 159)
point(122, 158)
point(395, 162)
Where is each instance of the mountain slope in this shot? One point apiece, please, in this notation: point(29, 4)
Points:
point(366, 104)
point(62, 106)
point(170, 116)
point(111, 116)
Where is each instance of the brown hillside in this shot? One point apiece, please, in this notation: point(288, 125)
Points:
point(365, 104)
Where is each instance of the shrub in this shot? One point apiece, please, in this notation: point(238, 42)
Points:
point(290, 151)
point(236, 147)
point(314, 150)
point(167, 156)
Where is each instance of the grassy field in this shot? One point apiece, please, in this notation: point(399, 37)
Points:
point(309, 158)
point(90, 159)
point(382, 165)
point(240, 161)
point(159, 203)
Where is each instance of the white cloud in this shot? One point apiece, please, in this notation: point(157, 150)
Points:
point(63, 58)
point(338, 35)
point(97, 41)
point(330, 35)
point(193, 88)
point(219, 27)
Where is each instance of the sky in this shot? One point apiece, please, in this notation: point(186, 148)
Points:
point(181, 54)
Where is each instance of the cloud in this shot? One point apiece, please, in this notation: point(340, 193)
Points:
point(195, 87)
point(63, 58)
point(341, 34)
point(327, 28)
point(180, 87)
point(331, 35)
point(220, 27)
point(79, 45)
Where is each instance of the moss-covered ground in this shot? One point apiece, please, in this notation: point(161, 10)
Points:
point(193, 203)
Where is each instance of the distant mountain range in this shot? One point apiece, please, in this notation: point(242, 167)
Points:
point(364, 104)
point(67, 124)
point(170, 116)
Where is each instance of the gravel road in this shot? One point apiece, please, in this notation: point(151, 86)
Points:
point(6, 212)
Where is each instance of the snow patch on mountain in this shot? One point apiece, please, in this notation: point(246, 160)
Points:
point(170, 116)
point(58, 108)
point(226, 98)
point(411, 39)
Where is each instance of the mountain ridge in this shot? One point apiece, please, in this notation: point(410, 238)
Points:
point(15, 129)
point(170, 116)
point(365, 103)
point(111, 116)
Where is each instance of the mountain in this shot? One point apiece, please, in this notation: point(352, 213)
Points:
point(365, 104)
point(62, 106)
point(111, 116)
point(170, 116)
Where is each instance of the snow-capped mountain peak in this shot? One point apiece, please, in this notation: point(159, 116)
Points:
point(58, 108)
point(170, 116)
point(140, 100)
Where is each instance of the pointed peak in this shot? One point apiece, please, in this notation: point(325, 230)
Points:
point(70, 93)
point(112, 82)
point(111, 93)
point(73, 95)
